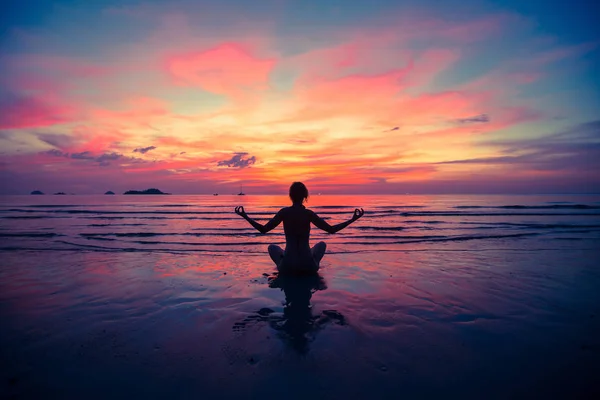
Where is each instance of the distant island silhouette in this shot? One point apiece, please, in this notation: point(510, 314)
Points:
point(147, 191)
point(110, 192)
point(37, 192)
point(59, 193)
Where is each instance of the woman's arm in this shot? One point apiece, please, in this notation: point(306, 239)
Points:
point(276, 220)
point(322, 224)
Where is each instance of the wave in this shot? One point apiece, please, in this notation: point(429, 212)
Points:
point(152, 234)
point(142, 218)
point(550, 207)
point(219, 244)
point(172, 218)
point(240, 235)
point(133, 249)
point(452, 239)
point(110, 212)
point(30, 217)
point(53, 205)
point(532, 225)
point(482, 225)
point(77, 247)
point(30, 235)
point(404, 240)
point(419, 221)
point(218, 228)
point(172, 205)
point(105, 225)
point(380, 228)
point(482, 214)
point(402, 206)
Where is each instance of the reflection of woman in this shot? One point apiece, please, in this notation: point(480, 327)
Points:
point(298, 256)
point(298, 290)
point(297, 326)
point(298, 323)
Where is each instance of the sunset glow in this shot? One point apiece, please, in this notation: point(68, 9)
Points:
point(349, 97)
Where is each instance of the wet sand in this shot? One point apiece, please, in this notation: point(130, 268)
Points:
point(444, 322)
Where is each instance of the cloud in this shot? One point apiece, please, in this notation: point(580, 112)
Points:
point(20, 111)
point(375, 179)
point(109, 157)
point(134, 111)
point(103, 159)
point(238, 161)
point(474, 119)
point(56, 153)
point(84, 155)
point(576, 148)
point(56, 139)
point(144, 150)
point(580, 134)
point(228, 69)
point(485, 160)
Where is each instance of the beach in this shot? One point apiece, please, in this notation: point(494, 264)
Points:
point(424, 297)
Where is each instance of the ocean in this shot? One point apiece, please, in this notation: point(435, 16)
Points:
point(474, 296)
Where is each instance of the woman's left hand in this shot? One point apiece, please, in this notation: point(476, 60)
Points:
point(358, 212)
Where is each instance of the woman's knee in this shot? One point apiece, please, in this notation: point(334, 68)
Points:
point(275, 252)
point(273, 248)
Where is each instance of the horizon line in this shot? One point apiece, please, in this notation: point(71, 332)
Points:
point(320, 194)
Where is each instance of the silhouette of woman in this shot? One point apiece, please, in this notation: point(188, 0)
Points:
point(298, 256)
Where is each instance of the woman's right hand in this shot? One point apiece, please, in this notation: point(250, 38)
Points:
point(239, 210)
point(358, 212)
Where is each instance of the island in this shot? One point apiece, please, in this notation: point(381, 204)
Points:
point(59, 193)
point(147, 191)
point(37, 192)
point(110, 192)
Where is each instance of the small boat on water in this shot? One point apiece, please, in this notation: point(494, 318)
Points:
point(241, 193)
point(215, 194)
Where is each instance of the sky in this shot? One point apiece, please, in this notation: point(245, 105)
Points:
point(358, 96)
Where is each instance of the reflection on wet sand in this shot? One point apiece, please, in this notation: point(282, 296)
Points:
point(297, 326)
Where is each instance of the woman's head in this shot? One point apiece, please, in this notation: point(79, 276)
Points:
point(298, 192)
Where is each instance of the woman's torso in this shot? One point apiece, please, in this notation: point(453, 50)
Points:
point(296, 225)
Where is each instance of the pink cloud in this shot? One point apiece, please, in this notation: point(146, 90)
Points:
point(31, 112)
point(228, 69)
point(44, 90)
point(96, 139)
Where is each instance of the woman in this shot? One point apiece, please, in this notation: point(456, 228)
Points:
point(297, 256)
